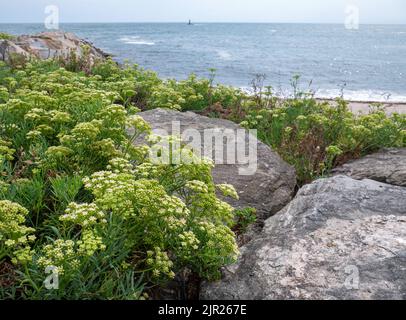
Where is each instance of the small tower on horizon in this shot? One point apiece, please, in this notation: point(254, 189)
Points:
point(190, 22)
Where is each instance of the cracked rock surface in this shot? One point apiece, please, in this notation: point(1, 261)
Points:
point(47, 45)
point(339, 238)
point(388, 166)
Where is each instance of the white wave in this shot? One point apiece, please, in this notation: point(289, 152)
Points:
point(147, 43)
point(224, 55)
point(361, 95)
point(136, 40)
point(349, 95)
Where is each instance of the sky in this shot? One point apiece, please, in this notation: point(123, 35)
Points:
point(278, 11)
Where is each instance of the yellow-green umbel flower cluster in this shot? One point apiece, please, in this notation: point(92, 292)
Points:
point(6, 152)
point(113, 114)
point(120, 165)
point(61, 254)
point(112, 191)
point(23, 256)
point(3, 94)
point(85, 215)
point(15, 236)
point(138, 123)
point(3, 187)
point(147, 170)
point(197, 186)
point(159, 263)
point(84, 132)
point(188, 244)
point(217, 246)
point(106, 148)
point(228, 190)
point(90, 243)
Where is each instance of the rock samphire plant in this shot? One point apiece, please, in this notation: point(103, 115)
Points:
point(80, 201)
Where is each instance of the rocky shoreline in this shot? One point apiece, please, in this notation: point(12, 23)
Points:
point(62, 44)
point(340, 237)
point(48, 45)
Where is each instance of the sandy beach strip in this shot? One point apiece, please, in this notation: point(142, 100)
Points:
point(390, 108)
point(364, 107)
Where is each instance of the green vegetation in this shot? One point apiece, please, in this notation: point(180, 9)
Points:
point(6, 36)
point(312, 135)
point(77, 194)
point(245, 217)
point(315, 137)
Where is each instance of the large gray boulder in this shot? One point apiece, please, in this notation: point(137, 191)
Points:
point(267, 185)
point(388, 166)
point(48, 45)
point(338, 239)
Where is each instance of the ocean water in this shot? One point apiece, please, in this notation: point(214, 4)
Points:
point(368, 64)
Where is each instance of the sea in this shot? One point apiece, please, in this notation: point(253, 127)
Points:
point(367, 64)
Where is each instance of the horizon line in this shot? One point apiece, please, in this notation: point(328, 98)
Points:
point(201, 22)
